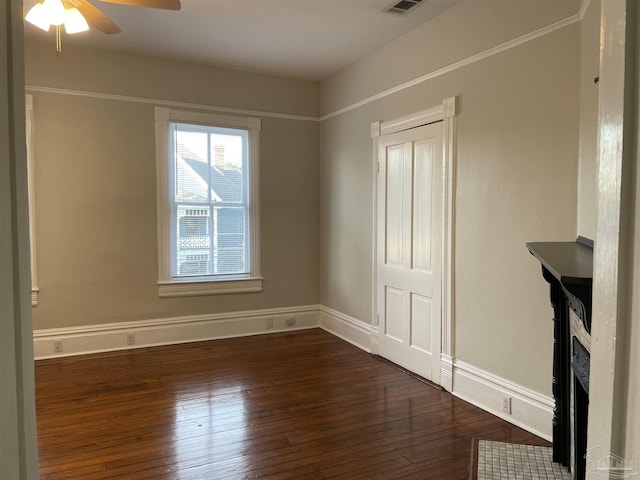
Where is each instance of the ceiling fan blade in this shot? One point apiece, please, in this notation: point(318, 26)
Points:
point(162, 4)
point(97, 19)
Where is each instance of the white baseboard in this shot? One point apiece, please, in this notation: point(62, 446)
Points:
point(529, 410)
point(167, 331)
point(352, 330)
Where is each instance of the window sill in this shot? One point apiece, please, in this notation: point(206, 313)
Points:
point(212, 287)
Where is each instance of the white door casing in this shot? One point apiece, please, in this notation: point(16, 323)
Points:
point(439, 353)
point(18, 439)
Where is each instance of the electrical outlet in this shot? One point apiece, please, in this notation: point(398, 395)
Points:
point(269, 322)
point(57, 346)
point(291, 321)
point(131, 338)
point(506, 404)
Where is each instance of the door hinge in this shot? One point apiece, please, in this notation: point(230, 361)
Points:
point(378, 167)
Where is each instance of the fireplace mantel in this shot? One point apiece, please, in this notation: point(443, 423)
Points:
point(571, 264)
point(568, 268)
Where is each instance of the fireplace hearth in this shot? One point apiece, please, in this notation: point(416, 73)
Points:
point(568, 268)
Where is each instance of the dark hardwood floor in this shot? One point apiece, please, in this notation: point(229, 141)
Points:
point(300, 405)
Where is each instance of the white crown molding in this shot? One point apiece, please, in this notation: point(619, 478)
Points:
point(583, 8)
point(167, 103)
point(464, 62)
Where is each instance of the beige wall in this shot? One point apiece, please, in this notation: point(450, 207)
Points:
point(516, 182)
point(589, 66)
point(96, 187)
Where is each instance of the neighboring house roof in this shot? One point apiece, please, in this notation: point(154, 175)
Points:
point(226, 184)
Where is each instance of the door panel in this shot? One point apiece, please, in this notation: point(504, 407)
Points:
point(420, 335)
point(422, 180)
point(394, 205)
point(409, 248)
point(393, 304)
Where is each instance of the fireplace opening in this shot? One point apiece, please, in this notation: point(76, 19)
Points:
point(581, 369)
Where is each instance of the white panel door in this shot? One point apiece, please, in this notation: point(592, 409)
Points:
point(409, 248)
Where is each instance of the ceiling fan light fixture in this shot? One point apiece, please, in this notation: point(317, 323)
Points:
point(54, 10)
point(74, 22)
point(38, 16)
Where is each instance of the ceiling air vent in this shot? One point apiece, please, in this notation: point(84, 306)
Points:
point(403, 6)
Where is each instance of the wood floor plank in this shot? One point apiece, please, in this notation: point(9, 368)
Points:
point(299, 405)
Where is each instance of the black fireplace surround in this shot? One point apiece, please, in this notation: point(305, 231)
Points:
point(568, 268)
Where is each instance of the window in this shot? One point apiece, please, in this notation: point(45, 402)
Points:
point(208, 226)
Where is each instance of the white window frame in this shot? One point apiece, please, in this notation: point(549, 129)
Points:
point(28, 102)
point(169, 286)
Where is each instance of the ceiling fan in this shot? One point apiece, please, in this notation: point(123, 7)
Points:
point(77, 15)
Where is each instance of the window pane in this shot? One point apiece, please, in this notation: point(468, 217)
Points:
point(226, 171)
point(191, 165)
point(230, 240)
point(193, 243)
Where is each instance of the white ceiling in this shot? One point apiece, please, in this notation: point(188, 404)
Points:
point(307, 39)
